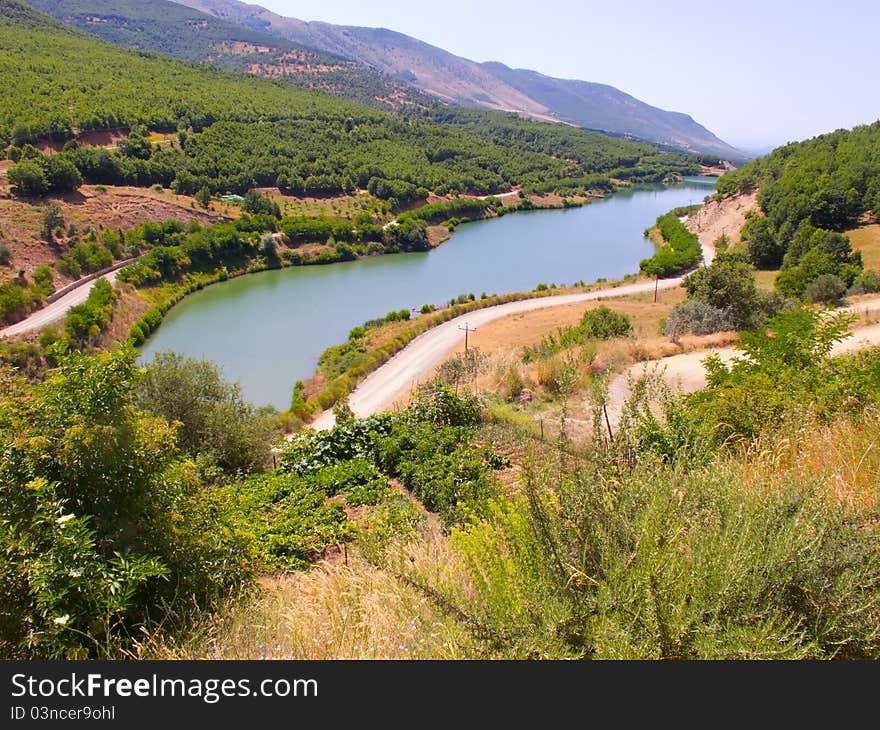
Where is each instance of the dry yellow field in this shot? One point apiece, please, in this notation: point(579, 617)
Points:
point(867, 240)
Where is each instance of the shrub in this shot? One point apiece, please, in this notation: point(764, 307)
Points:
point(728, 284)
point(6, 255)
point(603, 323)
point(216, 423)
point(43, 278)
point(868, 282)
point(112, 530)
point(825, 289)
point(698, 317)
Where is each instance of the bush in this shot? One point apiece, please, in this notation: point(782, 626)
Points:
point(6, 255)
point(86, 321)
point(698, 317)
point(287, 521)
point(603, 323)
point(216, 423)
point(680, 252)
point(112, 532)
point(728, 284)
point(657, 563)
point(825, 289)
point(868, 282)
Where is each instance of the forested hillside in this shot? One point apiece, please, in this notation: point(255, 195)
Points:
point(238, 132)
point(485, 85)
point(190, 35)
point(810, 192)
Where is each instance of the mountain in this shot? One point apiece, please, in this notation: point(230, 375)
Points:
point(191, 35)
point(239, 131)
point(489, 85)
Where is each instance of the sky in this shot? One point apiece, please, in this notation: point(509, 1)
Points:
point(757, 74)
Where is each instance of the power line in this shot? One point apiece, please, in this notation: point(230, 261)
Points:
point(466, 329)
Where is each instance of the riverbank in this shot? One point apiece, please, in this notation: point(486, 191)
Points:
point(291, 316)
point(414, 362)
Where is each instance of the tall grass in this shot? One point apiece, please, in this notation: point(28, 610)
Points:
point(767, 553)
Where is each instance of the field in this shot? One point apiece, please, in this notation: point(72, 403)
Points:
point(867, 240)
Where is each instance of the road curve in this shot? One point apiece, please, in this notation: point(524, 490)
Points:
point(56, 310)
point(385, 386)
point(687, 374)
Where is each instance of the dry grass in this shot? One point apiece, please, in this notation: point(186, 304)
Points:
point(333, 611)
point(843, 454)
point(867, 240)
point(766, 280)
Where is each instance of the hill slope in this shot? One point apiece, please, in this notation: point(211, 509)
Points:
point(240, 131)
point(190, 35)
point(489, 85)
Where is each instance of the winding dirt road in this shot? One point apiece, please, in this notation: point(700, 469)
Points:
point(686, 373)
point(385, 386)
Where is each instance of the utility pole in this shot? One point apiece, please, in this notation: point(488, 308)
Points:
point(466, 330)
point(656, 284)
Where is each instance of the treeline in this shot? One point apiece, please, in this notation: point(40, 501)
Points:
point(828, 181)
point(681, 249)
point(238, 132)
point(809, 193)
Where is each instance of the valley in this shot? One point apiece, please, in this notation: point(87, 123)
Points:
point(320, 342)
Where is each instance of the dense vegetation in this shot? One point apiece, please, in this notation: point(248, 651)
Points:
point(680, 250)
point(809, 192)
point(239, 132)
point(190, 35)
point(104, 526)
point(700, 533)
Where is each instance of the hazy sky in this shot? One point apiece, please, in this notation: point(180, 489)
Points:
point(757, 73)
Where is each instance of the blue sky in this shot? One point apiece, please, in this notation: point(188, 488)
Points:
point(756, 73)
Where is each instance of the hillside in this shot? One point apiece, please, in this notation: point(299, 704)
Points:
point(190, 35)
point(239, 132)
point(811, 193)
point(490, 85)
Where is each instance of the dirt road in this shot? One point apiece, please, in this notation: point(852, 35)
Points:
point(686, 373)
point(385, 386)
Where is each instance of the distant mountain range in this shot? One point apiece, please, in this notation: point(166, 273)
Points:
point(492, 85)
point(373, 65)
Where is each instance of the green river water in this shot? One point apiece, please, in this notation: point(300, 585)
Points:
point(267, 330)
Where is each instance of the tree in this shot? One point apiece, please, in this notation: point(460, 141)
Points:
point(28, 178)
point(101, 525)
point(765, 252)
point(216, 423)
point(52, 219)
point(728, 284)
point(61, 174)
point(203, 197)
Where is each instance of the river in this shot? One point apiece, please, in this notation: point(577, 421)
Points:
point(267, 330)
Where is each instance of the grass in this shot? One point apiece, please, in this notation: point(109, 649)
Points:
point(766, 280)
point(411, 608)
point(867, 240)
point(335, 611)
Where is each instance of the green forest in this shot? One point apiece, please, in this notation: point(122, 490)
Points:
point(810, 192)
point(189, 35)
point(237, 132)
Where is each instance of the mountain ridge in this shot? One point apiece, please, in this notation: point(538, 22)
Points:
point(191, 35)
point(489, 85)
